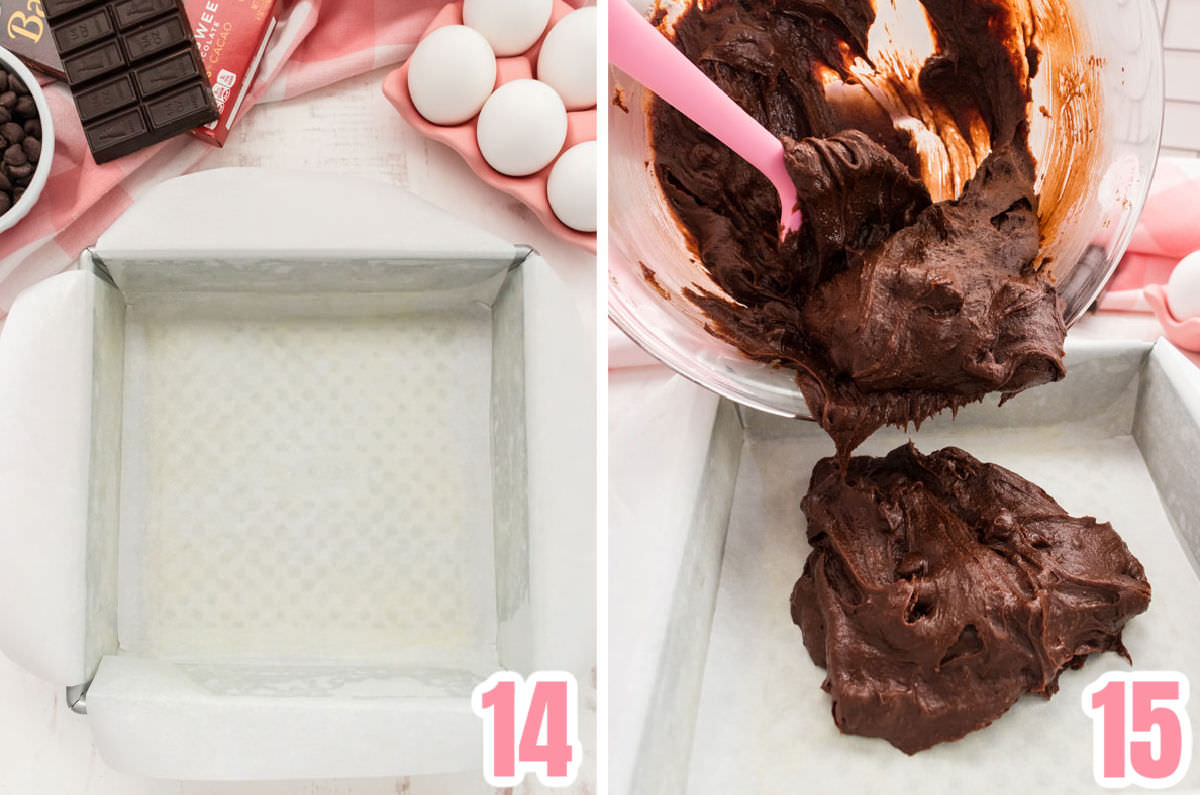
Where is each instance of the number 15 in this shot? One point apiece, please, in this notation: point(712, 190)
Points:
point(1141, 732)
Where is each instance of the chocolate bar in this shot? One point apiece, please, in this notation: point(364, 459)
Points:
point(134, 70)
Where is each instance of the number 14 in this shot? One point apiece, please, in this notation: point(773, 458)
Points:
point(546, 709)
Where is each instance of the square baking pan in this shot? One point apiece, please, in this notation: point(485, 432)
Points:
point(734, 703)
point(289, 478)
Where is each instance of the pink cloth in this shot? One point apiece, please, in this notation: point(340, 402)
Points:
point(1169, 228)
point(317, 43)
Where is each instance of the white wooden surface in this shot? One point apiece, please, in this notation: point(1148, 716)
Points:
point(349, 128)
point(1181, 61)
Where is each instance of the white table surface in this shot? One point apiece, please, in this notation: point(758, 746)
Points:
point(349, 128)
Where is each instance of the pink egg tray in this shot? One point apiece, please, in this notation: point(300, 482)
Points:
point(530, 190)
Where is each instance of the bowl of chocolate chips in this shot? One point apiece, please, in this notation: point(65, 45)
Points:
point(26, 140)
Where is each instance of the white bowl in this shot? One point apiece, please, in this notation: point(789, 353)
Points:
point(34, 189)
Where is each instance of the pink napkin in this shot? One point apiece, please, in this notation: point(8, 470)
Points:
point(318, 42)
point(1169, 228)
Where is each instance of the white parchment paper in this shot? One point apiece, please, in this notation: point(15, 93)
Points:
point(764, 724)
point(309, 490)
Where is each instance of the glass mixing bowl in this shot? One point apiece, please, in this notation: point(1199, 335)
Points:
point(1095, 129)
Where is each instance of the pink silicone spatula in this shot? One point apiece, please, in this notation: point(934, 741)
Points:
point(636, 48)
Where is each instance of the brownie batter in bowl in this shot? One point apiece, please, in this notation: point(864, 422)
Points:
point(1064, 82)
point(889, 306)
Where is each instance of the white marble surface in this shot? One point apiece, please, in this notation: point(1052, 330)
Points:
point(349, 128)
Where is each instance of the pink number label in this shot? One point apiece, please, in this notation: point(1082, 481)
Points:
point(529, 726)
point(1140, 730)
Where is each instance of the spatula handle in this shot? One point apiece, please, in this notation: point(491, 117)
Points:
point(643, 53)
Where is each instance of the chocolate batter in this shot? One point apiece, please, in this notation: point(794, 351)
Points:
point(941, 589)
point(889, 305)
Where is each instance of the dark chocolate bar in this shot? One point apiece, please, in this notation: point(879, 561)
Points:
point(134, 70)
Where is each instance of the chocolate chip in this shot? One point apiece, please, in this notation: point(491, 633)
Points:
point(20, 139)
point(22, 175)
point(26, 108)
point(12, 132)
point(14, 155)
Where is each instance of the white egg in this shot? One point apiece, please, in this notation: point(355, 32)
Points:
point(522, 127)
point(510, 26)
point(451, 74)
point(571, 189)
point(567, 61)
point(1183, 288)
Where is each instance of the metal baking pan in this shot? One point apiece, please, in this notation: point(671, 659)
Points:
point(733, 701)
point(292, 463)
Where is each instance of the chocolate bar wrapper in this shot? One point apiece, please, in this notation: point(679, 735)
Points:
point(27, 34)
point(232, 36)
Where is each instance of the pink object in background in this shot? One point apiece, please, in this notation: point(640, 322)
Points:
point(1167, 233)
point(1169, 227)
point(1182, 332)
point(529, 190)
point(639, 50)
